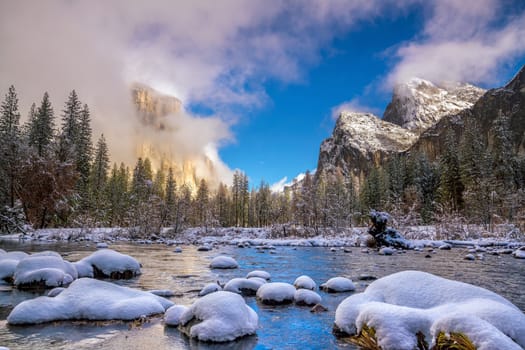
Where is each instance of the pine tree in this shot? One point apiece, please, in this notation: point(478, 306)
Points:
point(171, 198)
point(99, 174)
point(451, 187)
point(475, 170)
point(9, 147)
point(202, 201)
point(84, 149)
point(42, 132)
point(117, 195)
point(503, 162)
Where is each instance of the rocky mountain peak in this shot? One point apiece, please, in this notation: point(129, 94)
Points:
point(517, 83)
point(418, 104)
point(360, 140)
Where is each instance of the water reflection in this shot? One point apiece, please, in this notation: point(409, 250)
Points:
point(285, 327)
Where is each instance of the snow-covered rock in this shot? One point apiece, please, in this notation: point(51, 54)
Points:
point(470, 257)
point(244, 286)
point(338, 285)
point(43, 270)
point(209, 288)
point(386, 251)
point(177, 250)
point(519, 253)
point(276, 293)
point(204, 248)
point(109, 263)
point(224, 262)
point(55, 291)
point(304, 282)
point(89, 299)
point(102, 245)
point(445, 246)
point(219, 317)
point(166, 293)
point(173, 314)
point(400, 305)
point(306, 297)
point(418, 104)
point(8, 262)
point(258, 273)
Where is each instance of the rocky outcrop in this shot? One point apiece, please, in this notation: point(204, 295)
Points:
point(362, 140)
point(508, 100)
point(419, 104)
point(417, 120)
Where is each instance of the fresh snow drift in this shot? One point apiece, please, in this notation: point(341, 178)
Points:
point(223, 316)
point(402, 304)
point(338, 285)
point(223, 262)
point(106, 263)
point(89, 299)
point(304, 282)
point(276, 293)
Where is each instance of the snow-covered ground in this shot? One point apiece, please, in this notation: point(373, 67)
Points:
point(418, 236)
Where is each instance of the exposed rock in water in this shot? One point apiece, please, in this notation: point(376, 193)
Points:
point(383, 235)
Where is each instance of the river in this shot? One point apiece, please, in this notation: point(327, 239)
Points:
point(284, 327)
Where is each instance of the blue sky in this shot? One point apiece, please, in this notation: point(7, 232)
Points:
point(260, 80)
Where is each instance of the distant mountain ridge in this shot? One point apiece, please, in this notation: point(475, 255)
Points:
point(416, 120)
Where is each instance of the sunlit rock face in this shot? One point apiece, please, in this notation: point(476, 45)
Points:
point(164, 136)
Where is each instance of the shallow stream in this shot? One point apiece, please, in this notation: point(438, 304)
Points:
point(284, 327)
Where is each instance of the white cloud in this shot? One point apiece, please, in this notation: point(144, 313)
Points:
point(354, 105)
point(462, 41)
point(281, 184)
point(215, 53)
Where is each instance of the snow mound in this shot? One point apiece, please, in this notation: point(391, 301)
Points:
point(519, 253)
point(43, 270)
point(304, 282)
point(386, 251)
point(223, 262)
point(399, 306)
point(276, 293)
point(258, 273)
point(338, 285)
point(89, 299)
point(173, 314)
point(244, 286)
point(107, 263)
point(223, 316)
point(210, 288)
point(166, 293)
point(55, 291)
point(306, 297)
point(8, 262)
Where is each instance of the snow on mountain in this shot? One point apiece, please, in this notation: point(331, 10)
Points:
point(418, 104)
point(360, 140)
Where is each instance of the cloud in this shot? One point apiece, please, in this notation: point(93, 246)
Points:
point(354, 105)
point(462, 41)
point(280, 185)
point(217, 54)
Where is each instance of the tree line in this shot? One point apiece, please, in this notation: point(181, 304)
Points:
point(53, 175)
